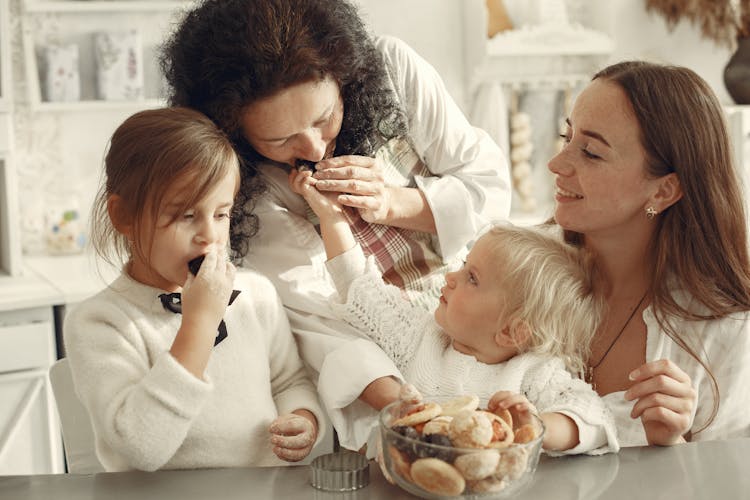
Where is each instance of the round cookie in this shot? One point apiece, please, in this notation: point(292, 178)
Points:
point(491, 484)
point(425, 414)
point(399, 463)
point(505, 414)
point(525, 434)
point(409, 394)
point(502, 433)
point(469, 402)
point(470, 429)
point(512, 463)
point(438, 425)
point(479, 465)
point(437, 477)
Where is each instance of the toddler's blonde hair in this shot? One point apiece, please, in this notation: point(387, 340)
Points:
point(548, 286)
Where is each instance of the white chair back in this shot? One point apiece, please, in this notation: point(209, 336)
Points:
point(78, 434)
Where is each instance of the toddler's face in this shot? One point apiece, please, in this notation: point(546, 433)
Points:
point(471, 302)
point(178, 238)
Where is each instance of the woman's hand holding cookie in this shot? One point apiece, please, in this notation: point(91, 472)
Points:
point(357, 182)
point(323, 204)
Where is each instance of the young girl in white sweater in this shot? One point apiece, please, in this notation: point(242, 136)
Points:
point(208, 379)
point(511, 325)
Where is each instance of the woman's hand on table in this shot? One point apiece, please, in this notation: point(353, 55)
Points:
point(359, 182)
point(293, 435)
point(664, 401)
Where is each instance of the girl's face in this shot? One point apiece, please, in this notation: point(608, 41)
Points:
point(178, 238)
point(471, 303)
point(300, 122)
point(600, 174)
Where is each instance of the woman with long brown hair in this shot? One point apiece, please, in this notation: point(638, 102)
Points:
point(647, 184)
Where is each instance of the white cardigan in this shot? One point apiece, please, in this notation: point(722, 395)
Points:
point(426, 357)
point(149, 412)
point(469, 188)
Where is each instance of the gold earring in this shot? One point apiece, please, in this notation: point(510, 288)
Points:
point(651, 212)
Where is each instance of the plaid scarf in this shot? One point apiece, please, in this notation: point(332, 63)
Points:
point(406, 258)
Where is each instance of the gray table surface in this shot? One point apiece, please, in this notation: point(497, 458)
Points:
point(710, 470)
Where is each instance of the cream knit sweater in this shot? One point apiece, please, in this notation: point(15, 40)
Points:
point(149, 413)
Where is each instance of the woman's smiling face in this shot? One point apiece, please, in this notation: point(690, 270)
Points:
point(600, 174)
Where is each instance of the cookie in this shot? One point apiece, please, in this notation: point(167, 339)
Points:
point(437, 477)
point(470, 429)
point(525, 434)
point(491, 484)
point(455, 406)
point(438, 425)
point(479, 465)
point(409, 394)
point(504, 413)
point(399, 463)
point(512, 463)
point(421, 414)
point(502, 433)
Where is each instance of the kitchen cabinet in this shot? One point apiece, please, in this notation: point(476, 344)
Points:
point(30, 439)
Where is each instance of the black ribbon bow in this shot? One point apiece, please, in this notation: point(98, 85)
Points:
point(173, 302)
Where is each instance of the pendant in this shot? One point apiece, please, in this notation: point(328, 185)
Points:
point(590, 376)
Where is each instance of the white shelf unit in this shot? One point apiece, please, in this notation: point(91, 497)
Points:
point(544, 57)
point(78, 20)
point(10, 245)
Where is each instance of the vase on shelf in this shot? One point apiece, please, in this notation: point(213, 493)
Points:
point(737, 72)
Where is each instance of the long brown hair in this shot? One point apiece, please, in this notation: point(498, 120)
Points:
point(147, 154)
point(700, 242)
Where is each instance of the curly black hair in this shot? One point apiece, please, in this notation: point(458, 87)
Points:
point(227, 54)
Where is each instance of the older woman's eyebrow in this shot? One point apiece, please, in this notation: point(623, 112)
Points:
point(590, 133)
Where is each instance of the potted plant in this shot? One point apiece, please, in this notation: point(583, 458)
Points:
point(726, 22)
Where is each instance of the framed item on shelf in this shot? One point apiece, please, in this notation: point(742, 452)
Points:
point(119, 65)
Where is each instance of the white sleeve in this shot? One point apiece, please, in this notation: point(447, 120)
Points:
point(551, 388)
point(727, 351)
point(290, 253)
point(375, 308)
point(471, 183)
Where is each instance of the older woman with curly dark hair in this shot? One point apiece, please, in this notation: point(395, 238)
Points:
point(304, 85)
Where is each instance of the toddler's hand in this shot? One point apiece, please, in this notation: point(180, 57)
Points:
point(519, 407)
point(323, 204)
point(292, 437)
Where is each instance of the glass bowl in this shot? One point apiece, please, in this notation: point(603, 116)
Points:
point(430, 466)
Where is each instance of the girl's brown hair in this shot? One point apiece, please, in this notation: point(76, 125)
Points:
point(700, 242)
point(148, 153)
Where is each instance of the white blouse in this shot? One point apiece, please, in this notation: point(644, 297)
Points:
point(470, 187)
point(726, 349)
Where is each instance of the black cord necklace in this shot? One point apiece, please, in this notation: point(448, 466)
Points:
point(590, 368)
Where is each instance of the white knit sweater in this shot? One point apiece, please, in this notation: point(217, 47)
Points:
point(424, 355)
point(149, 412)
